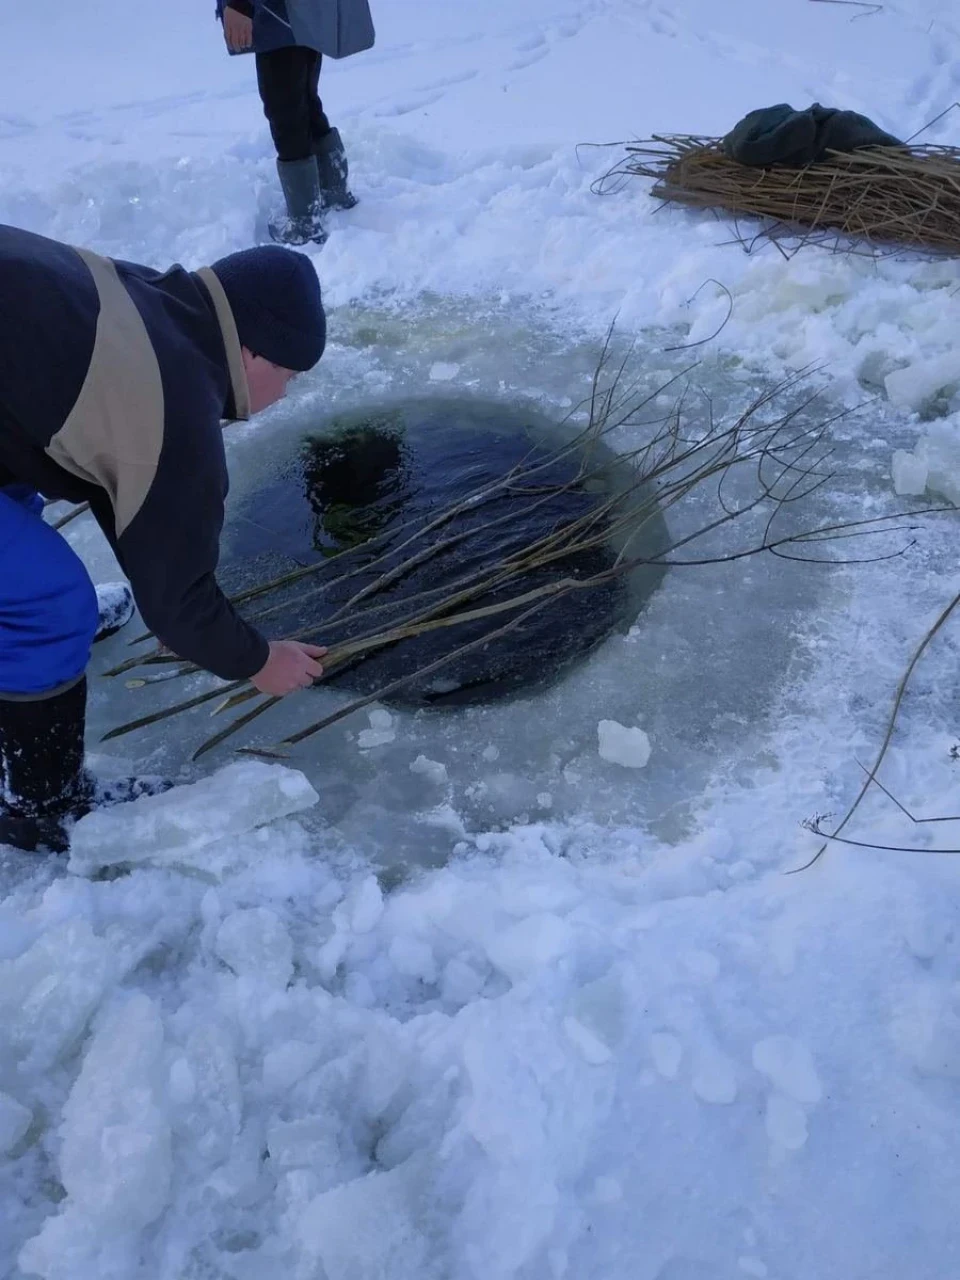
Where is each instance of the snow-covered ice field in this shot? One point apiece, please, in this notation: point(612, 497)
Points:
point(461, 997)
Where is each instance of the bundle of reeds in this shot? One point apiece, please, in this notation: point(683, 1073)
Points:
point(753, 469)
point(877, 198)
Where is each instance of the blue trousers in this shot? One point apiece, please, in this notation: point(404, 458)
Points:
point(48, 605)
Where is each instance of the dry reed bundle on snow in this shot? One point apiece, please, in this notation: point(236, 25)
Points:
point(882, 196)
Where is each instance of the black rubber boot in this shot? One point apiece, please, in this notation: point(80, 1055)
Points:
point(116, 608)
point(333, 170)
point(45, 786)
point(301, 192)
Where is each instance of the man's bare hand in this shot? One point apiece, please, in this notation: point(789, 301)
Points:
point(237, 30)
point(290, 666)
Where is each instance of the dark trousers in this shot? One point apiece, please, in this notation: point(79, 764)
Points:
point(288, 80)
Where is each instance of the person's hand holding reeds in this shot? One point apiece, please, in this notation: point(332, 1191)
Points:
point(290, 666)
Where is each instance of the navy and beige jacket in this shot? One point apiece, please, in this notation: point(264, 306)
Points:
point(114, 383)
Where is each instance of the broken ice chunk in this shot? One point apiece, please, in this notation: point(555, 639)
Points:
point(909, 473)
point(161, 829)
point(381, 731)
point(435, 770)
point(912, 387)
point(623, 745)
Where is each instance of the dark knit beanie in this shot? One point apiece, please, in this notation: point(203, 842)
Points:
point(274, 294)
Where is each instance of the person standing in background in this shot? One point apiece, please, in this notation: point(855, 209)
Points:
point(289, 39)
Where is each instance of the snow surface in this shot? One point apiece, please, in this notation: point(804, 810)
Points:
point(494, 1007)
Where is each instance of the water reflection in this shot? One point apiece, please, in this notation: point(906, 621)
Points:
point(356, 482)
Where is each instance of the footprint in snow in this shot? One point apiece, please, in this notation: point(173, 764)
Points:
point(789, 1067)
point(408, 106)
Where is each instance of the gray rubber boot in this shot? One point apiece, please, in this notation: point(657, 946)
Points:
point(332, 167)
point(301, 192)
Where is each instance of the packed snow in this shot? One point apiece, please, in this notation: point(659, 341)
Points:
point(520, 993)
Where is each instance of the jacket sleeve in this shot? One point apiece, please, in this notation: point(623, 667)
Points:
point(170, 550)
point(242, 6)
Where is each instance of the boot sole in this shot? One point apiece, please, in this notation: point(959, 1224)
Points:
point(289, 241)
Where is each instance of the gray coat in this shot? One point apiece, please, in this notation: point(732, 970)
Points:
point(335, 28)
